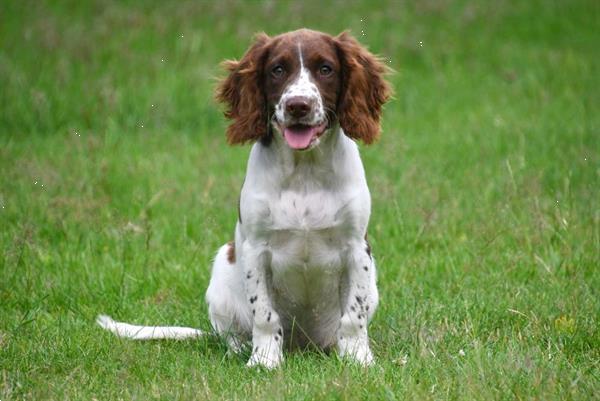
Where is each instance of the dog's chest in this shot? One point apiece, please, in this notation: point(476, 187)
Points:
point(307, 237)
point(306, 234)
point(307, 230)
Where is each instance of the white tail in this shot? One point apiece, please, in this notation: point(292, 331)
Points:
point(147, 332)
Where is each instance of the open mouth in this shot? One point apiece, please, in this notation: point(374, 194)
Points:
point(301, 136)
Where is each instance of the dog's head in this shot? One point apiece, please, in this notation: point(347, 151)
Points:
point(300, 84)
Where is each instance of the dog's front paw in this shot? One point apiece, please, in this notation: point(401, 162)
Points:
point(269, 357)
point(266, 346)
point(356, 349)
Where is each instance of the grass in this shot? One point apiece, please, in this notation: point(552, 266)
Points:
point(117, 188)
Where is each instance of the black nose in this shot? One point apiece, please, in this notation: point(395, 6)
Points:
point(297, 106)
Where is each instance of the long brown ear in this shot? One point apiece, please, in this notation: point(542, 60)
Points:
point(241, 92)
point(364, 90)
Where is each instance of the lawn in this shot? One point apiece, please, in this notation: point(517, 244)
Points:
point(117, 188)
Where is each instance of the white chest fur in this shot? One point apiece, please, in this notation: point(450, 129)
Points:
point(306, 229)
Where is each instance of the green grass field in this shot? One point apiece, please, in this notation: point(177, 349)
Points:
point(117, 188)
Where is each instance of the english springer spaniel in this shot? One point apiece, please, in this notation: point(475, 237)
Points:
point(300, 270)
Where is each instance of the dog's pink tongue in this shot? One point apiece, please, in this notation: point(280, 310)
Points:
point(299, 137)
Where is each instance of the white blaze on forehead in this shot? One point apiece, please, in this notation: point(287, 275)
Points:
point(300, 56)
point(303, 87)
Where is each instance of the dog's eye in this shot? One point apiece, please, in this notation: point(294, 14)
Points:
point(277, 71)
point(325, 70)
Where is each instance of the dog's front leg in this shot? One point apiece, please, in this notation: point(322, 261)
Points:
point(360, 301)
point(267, 334)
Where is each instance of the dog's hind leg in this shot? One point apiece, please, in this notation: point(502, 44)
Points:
point(229, 314)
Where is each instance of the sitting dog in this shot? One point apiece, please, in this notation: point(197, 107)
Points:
point(300, 270)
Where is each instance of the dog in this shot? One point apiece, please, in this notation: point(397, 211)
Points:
point(300, 270)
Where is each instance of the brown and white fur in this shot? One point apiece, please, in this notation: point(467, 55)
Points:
point(300, 269)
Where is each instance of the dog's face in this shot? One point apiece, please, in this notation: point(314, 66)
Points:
point(299, 84)
point(302, 85)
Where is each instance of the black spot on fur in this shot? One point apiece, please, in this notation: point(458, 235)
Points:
point(249, 275)
point(253, 299)
point(276, 338)
point(366, 268)
point(269, 317)
point(253, 312)
point(353, 309)
point(360, 326)
point(279, 331)
point(359, 300)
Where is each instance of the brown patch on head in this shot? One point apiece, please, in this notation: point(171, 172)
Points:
point(231, 252)
point(364, 90)
point(241, 91)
